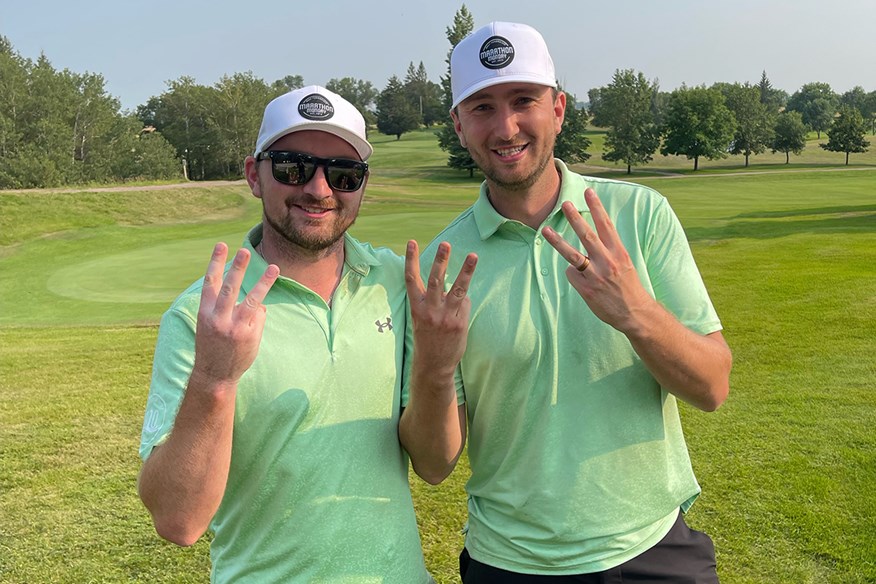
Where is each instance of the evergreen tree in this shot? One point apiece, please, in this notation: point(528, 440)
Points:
point(572, 141)
point(395, 114)
point(424, 95)
point(458, 157)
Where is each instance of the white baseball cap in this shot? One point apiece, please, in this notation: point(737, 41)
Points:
point(313, 108)
point(500, 52)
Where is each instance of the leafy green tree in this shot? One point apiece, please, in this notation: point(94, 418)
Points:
point(61, 127)
point(13, 95)
point(869, 111)
point(572, 141)
point(238, 116)
point(458, 157)
point(183, 116)
point(395, 114)
point(287, 84)
point(625, 106)
point(854, 98)
point(424, 95)
point(595, 109)
point(697, 125)
point(754, 120)
point(817, 103)
point(789, 134)
point(358, 92)
point(846, 134)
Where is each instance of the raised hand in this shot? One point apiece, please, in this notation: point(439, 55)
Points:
point(440, 319)
point(228, 333)
point(605, 278)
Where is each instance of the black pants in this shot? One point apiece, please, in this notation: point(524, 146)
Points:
point(683, 556)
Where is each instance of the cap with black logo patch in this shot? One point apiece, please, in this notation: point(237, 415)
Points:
point(313, 108)
point(316, 107)
point(500, 52)
point(496, 52)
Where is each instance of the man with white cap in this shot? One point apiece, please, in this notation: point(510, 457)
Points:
point(272, 417)
point(588, 319)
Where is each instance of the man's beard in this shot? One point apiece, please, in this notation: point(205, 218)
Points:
point(316, 242)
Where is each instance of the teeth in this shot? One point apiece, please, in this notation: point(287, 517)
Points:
point(510, 151)
point(314, 209)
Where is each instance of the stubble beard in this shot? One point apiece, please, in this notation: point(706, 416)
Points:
point(318, 244)
point(522, 184)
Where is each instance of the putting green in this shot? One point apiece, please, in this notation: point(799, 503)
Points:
point(146, 275)
point(157, 274)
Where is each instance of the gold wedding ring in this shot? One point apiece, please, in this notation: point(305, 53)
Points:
point(584, 264)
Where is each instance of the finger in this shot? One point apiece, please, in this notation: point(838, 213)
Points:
point(461, 285)
point(435, 285)
point(588, 237)
point(230, 289)
point(571, 254)
point(213, 277)
point(253, 301)
point(604, 226)
point(413, 282)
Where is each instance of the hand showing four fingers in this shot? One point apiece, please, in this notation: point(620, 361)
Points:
point(605, 278)
point(439, 318)
point(228, 333)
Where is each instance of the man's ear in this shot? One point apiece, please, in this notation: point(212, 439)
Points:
point(457, 125)
point(560, 110)
point(251, 172)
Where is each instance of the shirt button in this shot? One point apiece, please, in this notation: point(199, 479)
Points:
point(544, 271)
point(538, 241)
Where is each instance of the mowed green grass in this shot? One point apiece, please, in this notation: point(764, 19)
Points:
point(787, 465)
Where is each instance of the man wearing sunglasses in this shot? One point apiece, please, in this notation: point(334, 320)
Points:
point(272, 417)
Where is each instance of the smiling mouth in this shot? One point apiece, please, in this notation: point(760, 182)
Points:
point(315, 210)
point(510, 151)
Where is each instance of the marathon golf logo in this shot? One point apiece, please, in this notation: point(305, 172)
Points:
point(496, 53)
point(316, 107)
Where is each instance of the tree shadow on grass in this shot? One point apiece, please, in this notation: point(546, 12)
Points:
point(839, 219)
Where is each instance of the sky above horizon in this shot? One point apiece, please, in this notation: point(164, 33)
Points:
point(138, 47)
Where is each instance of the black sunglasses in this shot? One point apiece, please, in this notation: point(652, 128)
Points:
point(296, 168)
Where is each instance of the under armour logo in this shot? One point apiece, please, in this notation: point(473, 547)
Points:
point(381, 326)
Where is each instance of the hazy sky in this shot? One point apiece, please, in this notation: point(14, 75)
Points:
point(138, 46)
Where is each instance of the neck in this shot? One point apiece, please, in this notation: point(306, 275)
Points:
point(318, 270)
point(531, 205)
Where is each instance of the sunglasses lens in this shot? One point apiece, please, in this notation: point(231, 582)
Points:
point(292, 172)
point(293, 168)
point(345, 179)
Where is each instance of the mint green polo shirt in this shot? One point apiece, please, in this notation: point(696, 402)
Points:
point(318, 484)
point(577, 454)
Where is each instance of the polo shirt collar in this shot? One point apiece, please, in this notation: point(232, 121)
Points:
point(488, 220)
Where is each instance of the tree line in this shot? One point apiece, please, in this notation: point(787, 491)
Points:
point(60, 127)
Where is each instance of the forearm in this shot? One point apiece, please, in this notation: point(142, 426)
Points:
point(693, 367)
point(183, 481)
point(432, 426)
